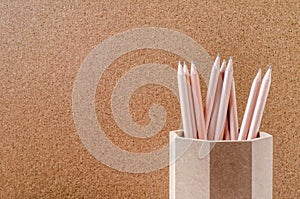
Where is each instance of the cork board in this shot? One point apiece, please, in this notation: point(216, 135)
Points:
point(45, 43)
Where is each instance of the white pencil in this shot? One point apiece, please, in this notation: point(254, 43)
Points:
point(224, 101)
point(190, 99)
point(184, 106)
point(250, 107)
point(197, 99)
point(260, 105)
point(211, 91)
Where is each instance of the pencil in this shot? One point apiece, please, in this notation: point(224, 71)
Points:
point(214, 117)
point(224, 101)
point(233, 116)
point(223, 68)
point(185, 115)
point(211, 91)
point(190, 99)
point(197, 99)
point(260, 105)
point(227, 130)
point(250, 107)
point(227, 135)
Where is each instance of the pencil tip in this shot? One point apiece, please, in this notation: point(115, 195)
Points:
point(268, 73)
point(258, 75)
point(185, 68)
point(216, 64)
point(229, 64)
point(230, 61)
point(180, 71)
point(223, 66)
point(259, 71)
point(193, 68)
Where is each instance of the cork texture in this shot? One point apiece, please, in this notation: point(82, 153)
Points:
point(43, 45)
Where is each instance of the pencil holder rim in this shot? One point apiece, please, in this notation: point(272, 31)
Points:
point(179, 135)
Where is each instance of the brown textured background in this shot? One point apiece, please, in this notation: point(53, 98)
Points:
point(43, 44)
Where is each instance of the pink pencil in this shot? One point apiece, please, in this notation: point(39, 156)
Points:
point(223, 68)
point(184, 103)
point(250, 107)
point(197, 99)
point(227, 131)
point(260, 105)
point(214, 117)
point(233, 116)
point(224, 101)
point(211, 91)
point(190, 99)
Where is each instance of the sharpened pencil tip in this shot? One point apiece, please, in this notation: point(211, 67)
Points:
point(223, 66)
point(193, 68)
point(230, 61)
point(229, 65)
point(259, 71)
point(258, 75)
point(218, 55)
point(216, 64)
point(180, 71)
point(185, 68)
point(268, 74)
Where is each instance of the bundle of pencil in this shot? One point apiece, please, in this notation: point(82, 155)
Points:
point(218, 120)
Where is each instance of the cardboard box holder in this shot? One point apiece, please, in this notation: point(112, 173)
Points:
point(220, 169)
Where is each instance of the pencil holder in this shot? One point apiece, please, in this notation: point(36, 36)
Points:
point(220, 169)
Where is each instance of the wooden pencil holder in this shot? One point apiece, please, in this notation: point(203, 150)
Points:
point(220, 169)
